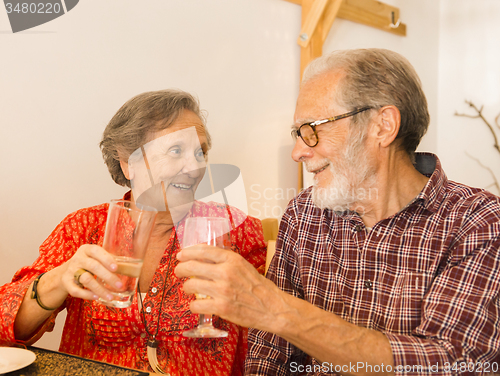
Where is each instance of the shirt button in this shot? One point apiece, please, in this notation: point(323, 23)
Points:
point(368, 284)
point(148, 310)
point(143, 335)
point(358, 228)
point(153, 290)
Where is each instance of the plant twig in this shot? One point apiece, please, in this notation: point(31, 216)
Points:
point(480, 115)
point(495, 181)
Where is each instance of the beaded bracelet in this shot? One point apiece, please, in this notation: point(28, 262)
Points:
point(34, 294)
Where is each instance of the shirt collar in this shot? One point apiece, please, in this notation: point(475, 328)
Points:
point(432, 195)
point(127, 196)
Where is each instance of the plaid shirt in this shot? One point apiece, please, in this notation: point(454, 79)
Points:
point(427, 277)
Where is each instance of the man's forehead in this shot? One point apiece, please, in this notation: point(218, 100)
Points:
point(317, 96)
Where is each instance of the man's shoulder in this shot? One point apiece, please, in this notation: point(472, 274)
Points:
point(463, 195)
point(302, 207)
point(303, 201)
point(472, 204)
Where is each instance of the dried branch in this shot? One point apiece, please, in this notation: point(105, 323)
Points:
point(496, 121)
point(480, 115)
point(495, 181)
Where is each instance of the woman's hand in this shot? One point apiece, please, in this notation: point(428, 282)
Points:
point(97, 262)
point(55, 285)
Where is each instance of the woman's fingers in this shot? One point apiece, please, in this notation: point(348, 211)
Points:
point(78, 291)
point(101, 264)
point(105, 259)
point(90, 283)
point(87, 273)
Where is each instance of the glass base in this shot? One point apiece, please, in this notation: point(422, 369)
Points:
point(120, 300)
point(205, 331)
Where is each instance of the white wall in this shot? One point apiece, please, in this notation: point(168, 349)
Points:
point(469, 69)
point(61, 82)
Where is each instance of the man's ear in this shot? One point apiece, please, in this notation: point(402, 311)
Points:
point(388, 124)
point(129, 173)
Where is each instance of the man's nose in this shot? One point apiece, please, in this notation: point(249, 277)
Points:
point(301, 151)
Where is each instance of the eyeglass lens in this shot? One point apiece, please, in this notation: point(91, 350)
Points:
point(308, 134)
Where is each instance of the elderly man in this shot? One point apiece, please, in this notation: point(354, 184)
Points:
point(385, 266)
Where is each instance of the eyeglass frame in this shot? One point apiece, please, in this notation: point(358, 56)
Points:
point(296, 132)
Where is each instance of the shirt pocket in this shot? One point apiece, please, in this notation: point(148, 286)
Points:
point(405, 308)
point(112, 327)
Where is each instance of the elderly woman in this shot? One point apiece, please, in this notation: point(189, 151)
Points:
point(59, 280)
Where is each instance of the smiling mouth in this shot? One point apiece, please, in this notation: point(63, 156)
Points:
point(182, 187)
point(321, 169)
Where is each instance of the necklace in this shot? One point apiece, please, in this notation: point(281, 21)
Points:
point(152, 343)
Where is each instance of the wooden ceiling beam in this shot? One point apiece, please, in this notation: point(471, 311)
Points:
point(331, 12)
point(373, 13)
point(310, 22)
point(367, 12)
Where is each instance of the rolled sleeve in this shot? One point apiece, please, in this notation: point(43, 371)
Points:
point(11, 296)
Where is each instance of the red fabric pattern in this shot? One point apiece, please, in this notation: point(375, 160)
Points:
point(118, 336)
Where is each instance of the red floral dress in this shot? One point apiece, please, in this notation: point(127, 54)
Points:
point(118, 336)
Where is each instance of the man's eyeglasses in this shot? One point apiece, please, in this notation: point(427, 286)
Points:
point(307, 132)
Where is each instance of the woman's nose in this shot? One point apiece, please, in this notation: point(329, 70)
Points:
point(301, 151)
point(193, 167)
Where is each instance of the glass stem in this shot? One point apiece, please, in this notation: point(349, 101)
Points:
point(205, 320)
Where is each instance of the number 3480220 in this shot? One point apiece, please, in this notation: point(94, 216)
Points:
point(33, 8)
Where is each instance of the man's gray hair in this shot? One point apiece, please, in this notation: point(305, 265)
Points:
point(377, 78)
point(137, 119)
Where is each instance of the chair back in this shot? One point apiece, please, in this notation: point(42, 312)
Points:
point(270, 229)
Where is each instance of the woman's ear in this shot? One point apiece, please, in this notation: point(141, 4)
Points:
point(388, 126)
point(128, 172)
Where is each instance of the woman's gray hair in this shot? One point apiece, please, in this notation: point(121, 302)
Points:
point(377, 78)
point(134, 122)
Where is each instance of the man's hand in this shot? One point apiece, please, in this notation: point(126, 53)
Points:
point(238, 292)
point(241, 295)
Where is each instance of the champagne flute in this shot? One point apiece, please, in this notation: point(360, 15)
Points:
point(214, 231)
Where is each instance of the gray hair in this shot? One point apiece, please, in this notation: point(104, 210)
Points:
point(134, 122)
point(377, 78)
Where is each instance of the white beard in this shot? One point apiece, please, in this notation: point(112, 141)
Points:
point(352, 178)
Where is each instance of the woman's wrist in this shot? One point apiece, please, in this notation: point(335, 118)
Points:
point(49, 290)
point(35, 295)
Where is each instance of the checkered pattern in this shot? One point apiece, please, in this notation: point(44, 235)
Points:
point(428, 276)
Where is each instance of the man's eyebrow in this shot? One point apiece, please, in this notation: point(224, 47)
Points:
point(300, 122)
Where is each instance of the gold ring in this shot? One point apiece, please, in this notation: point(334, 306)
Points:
point(78, 275)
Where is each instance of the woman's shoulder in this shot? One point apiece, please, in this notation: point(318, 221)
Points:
point(84, 225)
point(91, 214)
